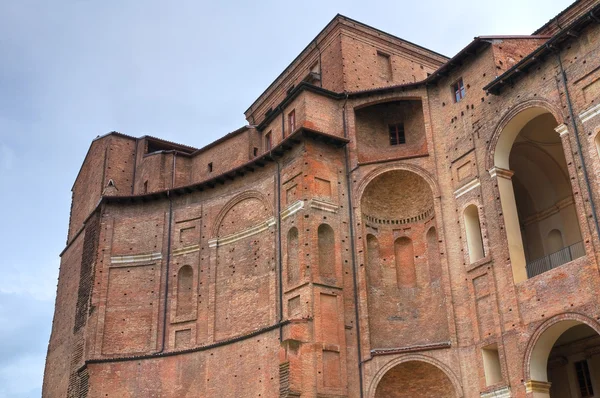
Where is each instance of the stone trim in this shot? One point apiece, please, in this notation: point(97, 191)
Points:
point(216, 242)
point(185, 250)
point(537, 386)
point(466, 188)
point(590, 113)
point(501, 173)
point(325, 206)
point(501, 392)
point(292, 209)
point(135, 258)
point(561, 129)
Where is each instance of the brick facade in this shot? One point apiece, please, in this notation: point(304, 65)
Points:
point(333, 264)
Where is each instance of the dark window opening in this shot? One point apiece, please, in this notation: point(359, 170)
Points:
point(397, 136)
point(459, 90)
point(146, 186)
point(583, 379)
point(210, 167)
point(292, 121)
point(268, 141)
point(255, 151)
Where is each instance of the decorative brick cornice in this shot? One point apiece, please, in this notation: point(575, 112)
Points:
point(414, 348)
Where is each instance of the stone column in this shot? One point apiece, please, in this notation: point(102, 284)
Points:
point(511, 222)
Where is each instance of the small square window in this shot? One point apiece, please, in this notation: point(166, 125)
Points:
point(458, 90)
point(292, 121)
point(397, 136)
point(268, 141)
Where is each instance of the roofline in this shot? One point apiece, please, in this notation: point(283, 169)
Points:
point(555, 19)
point(260, 161)
point(542, 51)
point(220, 140)
point(471, 49)
point(98, 138)
point(292, 95)
point(314, 40)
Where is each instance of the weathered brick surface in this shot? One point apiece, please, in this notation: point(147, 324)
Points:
point(296, 275)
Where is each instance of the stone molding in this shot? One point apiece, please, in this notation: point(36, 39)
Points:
point(590, 113)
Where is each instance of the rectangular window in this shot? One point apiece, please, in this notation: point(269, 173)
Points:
point(255, 151)
point(583, 379)
point(458, 89)
point(292, 121)
point(397, 134)
point(210, 167)
point(268, 141)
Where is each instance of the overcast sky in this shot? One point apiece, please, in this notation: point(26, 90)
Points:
point(71, 70)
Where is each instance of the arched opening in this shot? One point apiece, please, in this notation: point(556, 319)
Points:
point(415, 379)
point(474, 237)
point(565, 361)
point(597, 141)
point(405, 262)
point(326, 243)
point(397, 209)
point(185, 296)
point(293, 268)
point(373, 268)
point(433, 256)
point(536, 194)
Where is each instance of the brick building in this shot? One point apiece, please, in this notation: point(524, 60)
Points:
point(391, 223)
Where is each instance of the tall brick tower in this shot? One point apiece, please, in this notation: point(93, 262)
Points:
point(391, 223)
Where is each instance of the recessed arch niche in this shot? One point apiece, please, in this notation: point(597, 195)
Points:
point(402, 261)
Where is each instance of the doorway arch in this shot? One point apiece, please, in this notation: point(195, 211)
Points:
point(560, 340)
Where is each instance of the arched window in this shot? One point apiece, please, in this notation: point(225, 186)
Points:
point(326, 244)
point(433, 256)
point(185, 297)
point(405, 262)
point(373, 267)
point(293, 268)
point(473, 230)
point(554, 241)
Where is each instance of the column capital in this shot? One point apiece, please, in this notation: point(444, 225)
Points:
point(561, 129)
point(501, 173)
point(537, 386)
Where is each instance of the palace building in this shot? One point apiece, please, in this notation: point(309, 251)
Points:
point(390, 223)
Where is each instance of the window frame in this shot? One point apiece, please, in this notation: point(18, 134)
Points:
point(458, 90)
point(398, 135)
